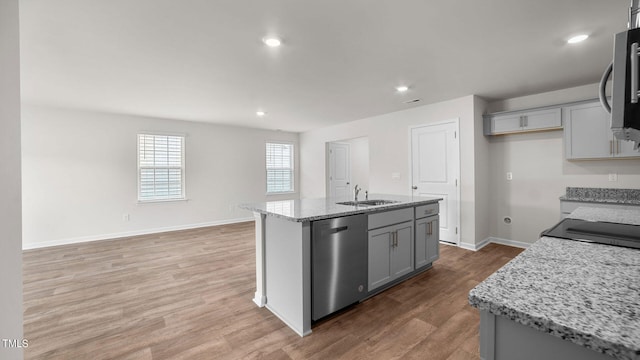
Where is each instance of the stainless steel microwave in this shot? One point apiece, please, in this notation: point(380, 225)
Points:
point(625, 107)
point(625, 104)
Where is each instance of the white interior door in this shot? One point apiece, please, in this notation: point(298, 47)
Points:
point(339, 170)
point(435, 167)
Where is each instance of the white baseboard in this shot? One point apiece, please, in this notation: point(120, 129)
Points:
point(514, 243)
point(83, 239)
point(495, 240)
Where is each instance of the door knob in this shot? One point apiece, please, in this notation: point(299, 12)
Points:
point(414, 187)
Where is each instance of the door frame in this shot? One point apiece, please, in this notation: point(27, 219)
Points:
point(456, 122)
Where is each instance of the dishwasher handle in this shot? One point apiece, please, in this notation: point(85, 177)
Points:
point(334, 230)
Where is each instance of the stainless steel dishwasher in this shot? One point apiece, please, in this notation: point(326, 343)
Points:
point(338, 263)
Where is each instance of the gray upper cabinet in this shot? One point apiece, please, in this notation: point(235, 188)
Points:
point(522, 121)
point(587, 134)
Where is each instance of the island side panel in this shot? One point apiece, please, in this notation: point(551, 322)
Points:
point(502, 338)
point(288, 272)
point(260, 297)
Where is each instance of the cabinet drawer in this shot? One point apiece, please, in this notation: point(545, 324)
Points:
point(426, 210)
point(390, 217)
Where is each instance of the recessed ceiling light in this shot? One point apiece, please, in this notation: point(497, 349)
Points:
point(402, 88)
point(272, 41)
point(578, 38)
point(261, 113)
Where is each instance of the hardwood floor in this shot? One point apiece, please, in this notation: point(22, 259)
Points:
point(187, 295)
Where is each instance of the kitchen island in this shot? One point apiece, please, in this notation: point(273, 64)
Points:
point(564, 299)
point(285, 234)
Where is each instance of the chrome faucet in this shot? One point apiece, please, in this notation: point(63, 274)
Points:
point(356, 190)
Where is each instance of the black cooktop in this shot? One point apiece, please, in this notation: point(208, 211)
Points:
point(626, 235)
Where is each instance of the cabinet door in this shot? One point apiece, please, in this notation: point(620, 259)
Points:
point(427, 249)
point(433, 239)
point(422, 227)
point(402, 251)
point(506, 123)
point(379, 257)
point(587, 133)
point(543, 119)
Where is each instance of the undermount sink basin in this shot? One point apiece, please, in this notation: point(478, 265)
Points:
point(367, 202)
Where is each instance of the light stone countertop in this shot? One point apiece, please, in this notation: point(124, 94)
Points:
point(302, 210)
point(585, 293)
point(622, 216)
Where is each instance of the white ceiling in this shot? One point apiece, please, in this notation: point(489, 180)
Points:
point(203, 60)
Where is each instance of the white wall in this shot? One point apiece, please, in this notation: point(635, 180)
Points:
point(540, 172)
point(79, 175)
point(359, 162)
point(10, 213)
point(389, 152)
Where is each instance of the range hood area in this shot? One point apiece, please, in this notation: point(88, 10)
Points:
point(625, 106)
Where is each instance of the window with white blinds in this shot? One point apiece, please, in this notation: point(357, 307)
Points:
point(279, 167)
point(160, 167)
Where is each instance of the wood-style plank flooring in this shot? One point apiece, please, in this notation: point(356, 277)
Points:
point(187, 295)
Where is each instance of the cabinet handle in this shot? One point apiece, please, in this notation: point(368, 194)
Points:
point(526, 120)
point(617, 146)
point(610, 147)
point(521, 125)
point(634, 73)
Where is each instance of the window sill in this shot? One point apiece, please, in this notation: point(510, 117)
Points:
point(281, 193)
point(142, 202)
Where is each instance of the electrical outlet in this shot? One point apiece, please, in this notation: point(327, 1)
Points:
point(509, 175)
point(613, 177)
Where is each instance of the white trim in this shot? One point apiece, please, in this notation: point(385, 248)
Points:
point(260, 296)
point(495, 240)
point(456, 122)
point(91, 238)
point(508, 242)
point(291, 326)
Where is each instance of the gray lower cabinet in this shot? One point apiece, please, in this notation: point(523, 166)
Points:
point(427, 240)
point(502, 338)
point(390, 253)
point(587, 134)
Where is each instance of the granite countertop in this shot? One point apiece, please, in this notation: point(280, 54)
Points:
point(622, 216)
point(585, 293)
point(602, 195)
point(301, 210)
